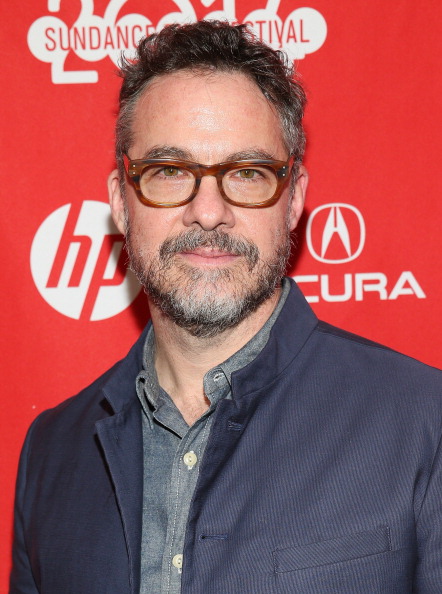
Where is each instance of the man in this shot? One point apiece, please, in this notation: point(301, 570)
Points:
point(242, 446)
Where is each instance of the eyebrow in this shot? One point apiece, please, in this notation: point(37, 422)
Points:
point(174, 152)
point(254, 153)
point(167, 152)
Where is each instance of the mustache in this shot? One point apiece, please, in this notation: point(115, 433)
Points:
point(194, 238)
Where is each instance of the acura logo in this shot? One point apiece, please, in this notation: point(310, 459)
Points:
point(335, 233)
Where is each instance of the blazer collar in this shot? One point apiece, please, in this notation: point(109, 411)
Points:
point(292, 329)
point(119, 389)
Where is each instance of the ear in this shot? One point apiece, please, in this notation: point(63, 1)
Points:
point(116, 201)
point(298, 197)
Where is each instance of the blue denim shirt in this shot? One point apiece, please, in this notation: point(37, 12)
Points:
point(173, 452)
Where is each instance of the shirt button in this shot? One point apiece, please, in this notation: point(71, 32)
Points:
point(217, 376)
point(190, 459)
point(177, 561)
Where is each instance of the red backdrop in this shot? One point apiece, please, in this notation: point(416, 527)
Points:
point(368, 256)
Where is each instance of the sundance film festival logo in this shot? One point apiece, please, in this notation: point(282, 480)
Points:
point(77, 263)
point(93, 38)
point(336, 234)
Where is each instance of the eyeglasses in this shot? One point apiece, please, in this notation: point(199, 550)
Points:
point(167, 183)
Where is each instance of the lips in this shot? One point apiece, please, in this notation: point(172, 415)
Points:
point(208, 255)
point(208, 252)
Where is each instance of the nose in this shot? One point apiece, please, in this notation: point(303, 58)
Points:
point(208, 210)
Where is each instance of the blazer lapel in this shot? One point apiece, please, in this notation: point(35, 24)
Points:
point(121, 439)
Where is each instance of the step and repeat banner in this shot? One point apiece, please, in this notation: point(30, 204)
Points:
point(368, 248)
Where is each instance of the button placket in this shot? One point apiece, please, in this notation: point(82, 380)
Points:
point(190, 459)
point(175, 561)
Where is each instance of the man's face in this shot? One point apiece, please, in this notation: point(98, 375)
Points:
point(207, 264)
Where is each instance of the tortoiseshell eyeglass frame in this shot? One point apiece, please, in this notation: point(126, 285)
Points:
point(135, 168)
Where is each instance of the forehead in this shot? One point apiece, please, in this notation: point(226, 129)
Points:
point(209, 115)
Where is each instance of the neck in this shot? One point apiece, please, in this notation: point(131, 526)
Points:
point(182, 360)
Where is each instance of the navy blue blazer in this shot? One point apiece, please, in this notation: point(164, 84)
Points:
point(323, 474)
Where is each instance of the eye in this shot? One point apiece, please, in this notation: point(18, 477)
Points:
point(248, 173)
point(170, 171)
point(166, 172)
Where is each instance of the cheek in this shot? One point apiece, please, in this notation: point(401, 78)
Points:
point(266, 229)
point(150, 226)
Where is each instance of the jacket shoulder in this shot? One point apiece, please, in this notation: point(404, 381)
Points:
point(377, 357)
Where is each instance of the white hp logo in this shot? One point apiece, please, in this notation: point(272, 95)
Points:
point(335, 233)
point(77, 263)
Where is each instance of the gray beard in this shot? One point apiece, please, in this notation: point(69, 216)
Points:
point(192, 298)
